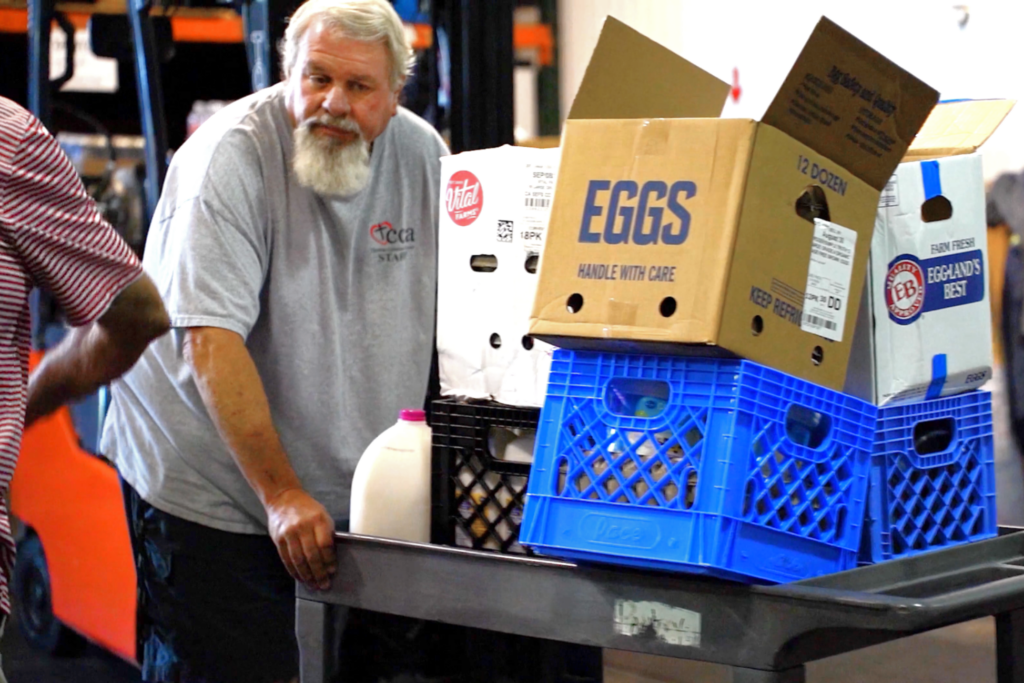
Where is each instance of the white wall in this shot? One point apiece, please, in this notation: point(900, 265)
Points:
point(762, 38)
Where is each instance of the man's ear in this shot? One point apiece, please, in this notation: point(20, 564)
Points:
point(396, 96)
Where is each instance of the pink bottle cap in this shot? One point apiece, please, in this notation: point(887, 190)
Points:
point(412, 415)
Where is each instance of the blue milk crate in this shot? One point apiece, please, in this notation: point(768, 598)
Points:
point(706, 465)
point(933, 477)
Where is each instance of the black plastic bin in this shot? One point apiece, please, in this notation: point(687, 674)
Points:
point(462, 465)
point(477, 498)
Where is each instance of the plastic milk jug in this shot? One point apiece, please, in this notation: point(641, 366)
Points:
point(391, 486)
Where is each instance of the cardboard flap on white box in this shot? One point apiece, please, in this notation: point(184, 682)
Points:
point(955, 128)
point(495, 206)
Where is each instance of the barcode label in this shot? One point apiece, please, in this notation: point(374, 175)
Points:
point(538, 202)
point(828, 280)
point(505, 231)
point(819, 322)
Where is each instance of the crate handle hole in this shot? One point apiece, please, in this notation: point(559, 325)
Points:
point(629, 397)
point(495, 341)
point(528, 342)
point(531, 263)
point(807, 427)
point(757, 325)
point(934, 436)
point(483, 263)
point(511, 444)
point(817, 355)
point(936, 209)
point(813, 204)
point(575, 303)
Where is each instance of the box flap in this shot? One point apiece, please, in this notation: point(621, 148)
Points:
point(958, 128)
point(851, 104)
point(632, 77)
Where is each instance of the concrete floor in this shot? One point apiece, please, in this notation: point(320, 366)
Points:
point(958, 654)
point(21, 664)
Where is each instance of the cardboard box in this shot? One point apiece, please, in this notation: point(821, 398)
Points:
point(699, 231)
point(927, 312)
point(495, 205)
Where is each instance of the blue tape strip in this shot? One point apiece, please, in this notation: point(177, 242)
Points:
point(938, 376)
point(930, 176)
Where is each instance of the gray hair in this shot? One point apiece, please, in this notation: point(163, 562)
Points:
point(365, 20)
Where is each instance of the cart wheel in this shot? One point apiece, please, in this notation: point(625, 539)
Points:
point(33, 607)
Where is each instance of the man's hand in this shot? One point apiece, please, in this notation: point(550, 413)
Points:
point(304, 535)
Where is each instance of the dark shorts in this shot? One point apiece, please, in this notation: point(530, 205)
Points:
point(213, 606)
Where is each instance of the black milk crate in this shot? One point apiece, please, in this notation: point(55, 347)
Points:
point(477, 498)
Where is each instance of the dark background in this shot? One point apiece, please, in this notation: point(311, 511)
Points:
point(198, 71)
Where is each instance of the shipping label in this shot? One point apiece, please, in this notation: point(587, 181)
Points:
point(538, 192)
point(828, 280)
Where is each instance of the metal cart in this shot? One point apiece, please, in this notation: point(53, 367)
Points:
point(765, 633)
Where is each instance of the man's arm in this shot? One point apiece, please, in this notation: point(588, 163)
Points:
point(233, 393)
point(96, 354)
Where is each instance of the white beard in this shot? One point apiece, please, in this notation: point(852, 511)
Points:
point(328, 166)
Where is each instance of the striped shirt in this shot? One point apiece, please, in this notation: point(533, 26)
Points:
point(51, 236)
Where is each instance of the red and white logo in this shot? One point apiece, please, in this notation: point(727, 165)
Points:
point(904, 289)
point(464, 198)
point(386, 235)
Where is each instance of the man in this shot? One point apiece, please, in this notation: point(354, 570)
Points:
point(294, 245)
point(52, 236)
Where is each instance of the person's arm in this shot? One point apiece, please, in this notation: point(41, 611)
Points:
point(67, 248)
point(233, 393)
point(96, 354)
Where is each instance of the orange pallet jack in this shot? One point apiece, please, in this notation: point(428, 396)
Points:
point(74, 574)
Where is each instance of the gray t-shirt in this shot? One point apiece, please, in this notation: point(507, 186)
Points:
point(333, 296)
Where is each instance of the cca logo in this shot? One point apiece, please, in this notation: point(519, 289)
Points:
point(386, 235)
point(640, 223)
point(464, 198)
point(904, 290)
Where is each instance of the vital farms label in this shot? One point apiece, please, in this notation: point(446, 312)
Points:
point(464, 198)
point(915, 286)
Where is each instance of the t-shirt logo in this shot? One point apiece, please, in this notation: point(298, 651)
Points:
point(386, 235)
point(464, 198)
point(391, 244)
